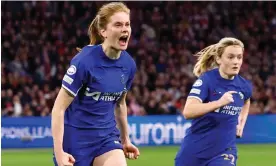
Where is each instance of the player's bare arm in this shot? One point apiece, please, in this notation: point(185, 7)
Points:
point(195, 108)
point(243, 117)
point(130, 150)
point(63, 100)
point(121, 118)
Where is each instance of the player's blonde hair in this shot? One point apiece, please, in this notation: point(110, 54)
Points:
point(102, 19)
point(207, 57)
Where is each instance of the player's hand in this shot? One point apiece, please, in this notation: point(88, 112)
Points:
point(131, 151)
point(239, 131)
point(66, 160)
point(227, 98)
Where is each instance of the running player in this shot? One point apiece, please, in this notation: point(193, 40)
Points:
point(218, 105)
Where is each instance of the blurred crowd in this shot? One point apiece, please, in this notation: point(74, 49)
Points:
point(40, 38)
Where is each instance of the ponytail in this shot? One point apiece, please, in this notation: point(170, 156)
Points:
point(93, 32)
point(206, 60)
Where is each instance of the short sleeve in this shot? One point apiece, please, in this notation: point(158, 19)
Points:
point(249, 90)
point(75, 76)
point(200, 88)
point(131, 76)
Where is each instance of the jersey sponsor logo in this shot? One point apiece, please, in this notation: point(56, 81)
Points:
point(195, 91)
point(67, 79)
point(72, 70)
point(111, 96)
point(104, 96)
point(198, 83)
point(229, 110)
point(94, 95)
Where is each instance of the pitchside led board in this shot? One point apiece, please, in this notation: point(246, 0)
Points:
point(35, 132)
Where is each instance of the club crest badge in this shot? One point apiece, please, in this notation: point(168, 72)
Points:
point(198, 83)
point(72, 70)
point(123, 79)
point(241, 95)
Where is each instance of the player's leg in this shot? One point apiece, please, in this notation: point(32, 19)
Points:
point(111, 158)
point(228, 158)
point(110, 152)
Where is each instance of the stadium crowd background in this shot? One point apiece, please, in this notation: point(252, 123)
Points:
point(40, 38)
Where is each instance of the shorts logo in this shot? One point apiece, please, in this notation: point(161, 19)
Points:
point(198, 83)
point(72, 70)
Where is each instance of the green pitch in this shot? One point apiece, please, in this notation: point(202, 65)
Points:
point(249, 155)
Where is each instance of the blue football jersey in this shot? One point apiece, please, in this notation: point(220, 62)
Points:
point(216, 131)
point(97, 82)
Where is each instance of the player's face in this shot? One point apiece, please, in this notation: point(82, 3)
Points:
point(118, 31)
point(231, 60)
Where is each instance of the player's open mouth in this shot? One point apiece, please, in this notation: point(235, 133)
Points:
point(123, 39)
point(235, 68)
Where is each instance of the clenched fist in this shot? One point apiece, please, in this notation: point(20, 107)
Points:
point(227, 98)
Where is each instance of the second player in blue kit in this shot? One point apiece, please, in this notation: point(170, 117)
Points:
point(218, 105)
point(96, 83)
